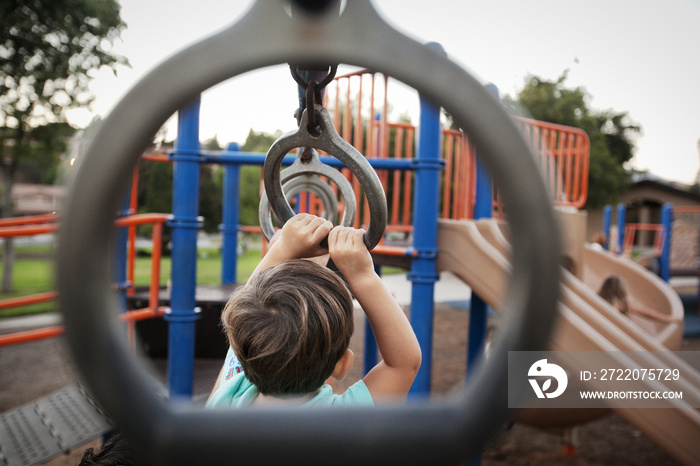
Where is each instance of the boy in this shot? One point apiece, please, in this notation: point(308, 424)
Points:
point(290, 326)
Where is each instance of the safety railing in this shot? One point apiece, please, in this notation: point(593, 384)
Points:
point(563, 156)
point(36, 225)
point(359, 102)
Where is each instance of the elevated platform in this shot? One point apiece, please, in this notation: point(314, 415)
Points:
point(210, 341)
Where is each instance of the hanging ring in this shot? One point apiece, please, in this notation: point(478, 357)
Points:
point(310, 183)
point(328, 141)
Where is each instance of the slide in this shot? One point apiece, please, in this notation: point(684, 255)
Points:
point(477, 253)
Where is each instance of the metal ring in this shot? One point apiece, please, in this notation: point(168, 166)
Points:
point(292, 187)
point(313, 165)
point(314, 185)
point(441, 433)
point(329, 141)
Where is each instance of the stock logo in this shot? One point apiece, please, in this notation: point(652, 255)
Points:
point(542, 369)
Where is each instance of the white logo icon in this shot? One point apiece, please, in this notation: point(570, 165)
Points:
point(542, 368)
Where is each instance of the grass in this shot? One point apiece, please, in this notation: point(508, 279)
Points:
point(34, 273)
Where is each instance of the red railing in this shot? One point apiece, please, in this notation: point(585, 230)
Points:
point(26, 226)
point(686, 209)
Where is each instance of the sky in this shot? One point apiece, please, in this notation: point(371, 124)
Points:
point(636, 56)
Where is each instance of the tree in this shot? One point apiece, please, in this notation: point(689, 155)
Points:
point(251, 175)
point(211, 189)
point(611, 134)
point(49, 51)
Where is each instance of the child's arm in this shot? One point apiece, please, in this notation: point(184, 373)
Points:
point(300, 237)
point(654, 315)
point(397, 343)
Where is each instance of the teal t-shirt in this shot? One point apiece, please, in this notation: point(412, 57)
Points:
point(235, 391)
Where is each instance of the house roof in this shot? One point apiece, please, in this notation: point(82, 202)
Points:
point(654, 182)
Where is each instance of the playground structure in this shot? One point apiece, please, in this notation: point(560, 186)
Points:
point(668, 248)
point(568, 178)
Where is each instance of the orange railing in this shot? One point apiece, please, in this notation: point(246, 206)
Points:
point(563, 156)
point(686, 209)
point(359, 102)
point(631, 230)
point(27, 226)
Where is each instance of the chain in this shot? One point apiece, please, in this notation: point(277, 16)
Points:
point(314, 94)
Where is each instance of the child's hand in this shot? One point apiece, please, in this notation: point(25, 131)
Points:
point(349, 253)
point(302, 235)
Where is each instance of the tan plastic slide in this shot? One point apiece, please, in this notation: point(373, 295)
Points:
point(476, 252)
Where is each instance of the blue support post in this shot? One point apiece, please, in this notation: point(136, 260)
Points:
point(426, 201)
point(621, 213)
point(229, 226)
point(667, 222)
point(183, 314)
point(607, 220)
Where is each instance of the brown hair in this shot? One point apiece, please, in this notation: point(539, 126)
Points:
point(599, 238)
point(613, 291)
point(290, 326)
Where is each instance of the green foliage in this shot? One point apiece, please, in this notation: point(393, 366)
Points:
point(210, 196)
point(49, 143)
point(258, 142)
point(251, 176)
point(250, 195)
point(611, 134)
point(49, 49)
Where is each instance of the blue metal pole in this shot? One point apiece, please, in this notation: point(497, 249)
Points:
point(426, 202)
point(255, 158)
point(607, 220)
point(229, 227)
point(667, 222)
point(621, 213)
point(184, 223)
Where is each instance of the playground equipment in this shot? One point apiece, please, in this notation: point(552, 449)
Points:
point(42, 224)
point(332, 143)
point(268, 35)
point(303, 176)
point(675, 247)
point(452, 432)
point(477, 253)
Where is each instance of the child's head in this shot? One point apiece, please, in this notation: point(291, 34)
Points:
point(613, 291)
point(290, 326)
point(599, 238)
point(114, 452)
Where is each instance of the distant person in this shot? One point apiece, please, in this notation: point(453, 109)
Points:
point(289, 327)
point(598, 242)
point(614, 292)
